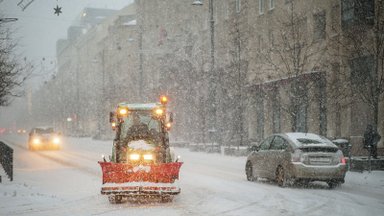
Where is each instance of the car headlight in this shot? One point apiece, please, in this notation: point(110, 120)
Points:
point(148, 157)
point(134, 157)
point(56, 140)
point(36, 140)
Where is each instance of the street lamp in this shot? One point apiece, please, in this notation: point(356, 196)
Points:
point(212, 77)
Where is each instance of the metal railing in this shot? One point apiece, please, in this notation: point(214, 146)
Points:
point(6, 160)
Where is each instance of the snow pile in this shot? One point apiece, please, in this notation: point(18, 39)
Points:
point(140, 145)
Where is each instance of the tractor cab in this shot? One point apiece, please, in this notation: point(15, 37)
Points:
point(148, 123)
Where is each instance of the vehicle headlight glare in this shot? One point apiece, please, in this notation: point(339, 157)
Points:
point(56, 140)
point(123, 111)
point(36, 141)
point(134, 156)
point(148, 157)
point(159, 111)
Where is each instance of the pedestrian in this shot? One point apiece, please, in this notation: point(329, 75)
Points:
point(371, 138)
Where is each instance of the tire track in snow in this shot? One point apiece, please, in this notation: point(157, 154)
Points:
point(57, 160)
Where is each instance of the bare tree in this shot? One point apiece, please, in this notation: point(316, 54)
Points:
point(13, 71)
point(294, 59)
point(362, 45)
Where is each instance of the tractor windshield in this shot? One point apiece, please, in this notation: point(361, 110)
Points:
point(140, 125)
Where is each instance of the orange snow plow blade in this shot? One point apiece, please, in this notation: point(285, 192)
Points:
point(123, 173)
point(120, 178)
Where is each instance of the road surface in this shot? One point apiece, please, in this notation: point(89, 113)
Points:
point(67, 182)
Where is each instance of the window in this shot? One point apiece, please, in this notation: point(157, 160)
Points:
point(276, 115)
point(319, 25)
point(238, 6)
point(278, 143)
point(301, 117)
point(266, 143)
point(357, 12)
point(300, 105)
point(271, 4)
point(261, 6)
point(361, 72)
point(347, 11)
point(260, 116)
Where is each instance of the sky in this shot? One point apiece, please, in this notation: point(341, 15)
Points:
point(37, 30)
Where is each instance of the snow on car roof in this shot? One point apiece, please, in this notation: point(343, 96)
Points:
point(309, 139)
point(143, 106)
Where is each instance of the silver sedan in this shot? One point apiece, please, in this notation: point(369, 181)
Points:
point(294, 157)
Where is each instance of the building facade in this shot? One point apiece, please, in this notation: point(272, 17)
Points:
point(275, 66)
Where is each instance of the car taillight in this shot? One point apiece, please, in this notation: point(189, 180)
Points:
point(341, 158)
point(297, 156)
point(343, 161)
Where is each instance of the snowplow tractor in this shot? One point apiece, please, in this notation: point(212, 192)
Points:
point(141, 163)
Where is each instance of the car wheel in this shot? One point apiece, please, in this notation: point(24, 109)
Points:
point(333, 184)
point(249, 171)
point(281, 179)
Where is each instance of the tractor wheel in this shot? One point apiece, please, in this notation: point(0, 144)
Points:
point(166, 198)
point(115, 199)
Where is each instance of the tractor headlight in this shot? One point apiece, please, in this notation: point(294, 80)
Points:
point(134, 157)
point(122, 112)
point(148, 157)
point(36, 140)
point(159, 111)
point(56, 140)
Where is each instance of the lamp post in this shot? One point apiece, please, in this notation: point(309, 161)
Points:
point(212, 78)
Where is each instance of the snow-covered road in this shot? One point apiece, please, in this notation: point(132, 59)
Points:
point(67, 182)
